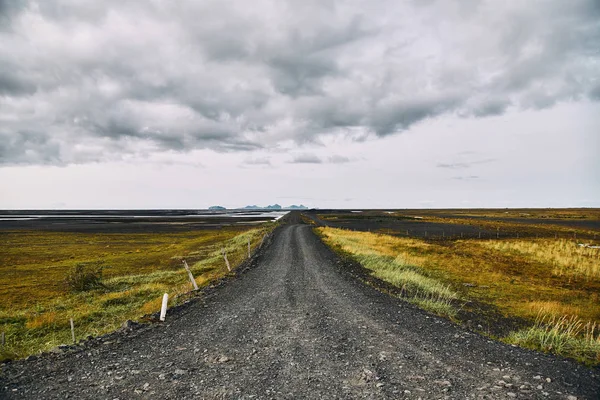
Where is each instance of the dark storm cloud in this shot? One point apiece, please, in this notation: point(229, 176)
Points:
point(90, 81)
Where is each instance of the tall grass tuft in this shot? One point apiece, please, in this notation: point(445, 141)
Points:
point(84, 277)
point(565, 335)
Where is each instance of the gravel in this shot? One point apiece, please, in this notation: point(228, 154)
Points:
point(297, 325)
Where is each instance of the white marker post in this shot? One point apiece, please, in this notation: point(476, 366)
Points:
point(163, 309)
point(72, 329)
point(3, 340)
point(187, 268)
point(248, 247)
point(263, 239)
point(226, 260)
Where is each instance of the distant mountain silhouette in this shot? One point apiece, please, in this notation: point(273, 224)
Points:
point(295, 207)
point(276, 207)
point(217, 208)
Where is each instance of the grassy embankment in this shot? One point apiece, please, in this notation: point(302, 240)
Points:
point(552, 284)
point(36, 304)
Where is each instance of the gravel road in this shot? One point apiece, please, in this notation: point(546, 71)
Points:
point(296, 325)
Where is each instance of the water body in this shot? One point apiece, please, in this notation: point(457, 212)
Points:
point(117, 221)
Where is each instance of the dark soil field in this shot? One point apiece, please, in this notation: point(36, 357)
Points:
point(128, 221)
point(454, 224)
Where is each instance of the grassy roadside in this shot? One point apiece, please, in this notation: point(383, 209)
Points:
point(554, 285)
point(36, 304)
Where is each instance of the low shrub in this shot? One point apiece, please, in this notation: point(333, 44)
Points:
point(83, 278)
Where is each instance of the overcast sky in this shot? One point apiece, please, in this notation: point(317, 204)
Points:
point(348, 103)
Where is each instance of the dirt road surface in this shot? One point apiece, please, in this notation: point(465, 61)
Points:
point(296, 325)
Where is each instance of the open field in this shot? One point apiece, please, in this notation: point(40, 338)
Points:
point(540, 293)
point(485, 224)
point(299, 324)
point(137, 268)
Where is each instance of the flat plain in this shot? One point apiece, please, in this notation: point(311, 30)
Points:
point(134, 257)
point(527, 277)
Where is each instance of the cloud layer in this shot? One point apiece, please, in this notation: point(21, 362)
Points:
point(83, 82)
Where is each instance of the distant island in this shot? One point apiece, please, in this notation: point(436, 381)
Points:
point(276, 207)
point(217, 208)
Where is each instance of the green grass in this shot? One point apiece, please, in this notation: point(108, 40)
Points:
point(494, 282)
point(415, 283)
point(36, 305)
point(567, 335)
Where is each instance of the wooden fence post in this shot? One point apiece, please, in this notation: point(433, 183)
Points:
point(163, 309)
point(187, 268)
point(72, 330)
point(226, 260)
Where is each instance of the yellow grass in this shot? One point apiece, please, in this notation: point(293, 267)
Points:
point(35, 305)
point(519, 278)
point(566, 257)
point(376, 253)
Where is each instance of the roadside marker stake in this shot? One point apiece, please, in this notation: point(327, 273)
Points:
point(3, 340)
point(248, 247)
point(226, 260)
point(479, 234)
point(72, 329)
point(263, 239)
point(187, 268)
point(163, 309)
